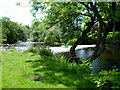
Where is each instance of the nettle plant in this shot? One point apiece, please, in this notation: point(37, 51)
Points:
point(106, 79)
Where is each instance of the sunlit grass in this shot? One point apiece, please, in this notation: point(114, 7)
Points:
point(0, 71)
point(0, 75)
point(25, 70)
point(16, 71)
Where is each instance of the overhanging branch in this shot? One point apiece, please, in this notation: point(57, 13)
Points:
point(63, 18)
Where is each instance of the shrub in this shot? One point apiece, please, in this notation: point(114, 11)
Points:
point(12, 49)
point(45, 52)
point(41, 51)
point(106, 79)
point(113, 37)
point(33, 50)
point(70, 42)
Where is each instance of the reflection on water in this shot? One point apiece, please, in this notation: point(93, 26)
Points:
point(84, 53)
point(107, 61)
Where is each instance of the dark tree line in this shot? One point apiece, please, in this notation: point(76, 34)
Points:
point(12, 31)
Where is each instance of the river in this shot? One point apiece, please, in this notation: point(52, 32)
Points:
point(109, 59)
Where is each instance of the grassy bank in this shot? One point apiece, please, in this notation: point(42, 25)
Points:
point(0, 72)
point(25, 70)
point(28, 70)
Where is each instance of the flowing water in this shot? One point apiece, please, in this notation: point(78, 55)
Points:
point(109, 59)
point(21, 46)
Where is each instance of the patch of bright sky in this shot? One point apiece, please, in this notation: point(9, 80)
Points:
point(8, 8)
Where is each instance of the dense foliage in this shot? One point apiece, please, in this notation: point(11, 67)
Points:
point(41, 33)
point(61, 32)
point(72, 18)
point(113, 37)
point(12, 31)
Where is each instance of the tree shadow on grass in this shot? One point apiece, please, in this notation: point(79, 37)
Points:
point(55, 73)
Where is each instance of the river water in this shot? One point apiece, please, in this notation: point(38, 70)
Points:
point(109, 59)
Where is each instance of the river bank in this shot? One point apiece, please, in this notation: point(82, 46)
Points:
point(22, 46)
point(105, 62)
point(23, 70)
point(28, 70)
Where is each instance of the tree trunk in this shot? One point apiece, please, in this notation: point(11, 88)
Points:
point(100, 46)
point(72, 49)
point(114, 41)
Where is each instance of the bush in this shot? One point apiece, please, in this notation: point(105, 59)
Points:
point(33, 50)
point(12, 49)
point(41, 51)
point(72, 41)
point(106, 79)
point(45, 52)
point(113, 37)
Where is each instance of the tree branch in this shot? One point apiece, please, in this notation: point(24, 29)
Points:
point(63, 18)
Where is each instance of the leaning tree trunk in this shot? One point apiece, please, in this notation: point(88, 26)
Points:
point(79, 40)
point(100, 45)
point(102, 34)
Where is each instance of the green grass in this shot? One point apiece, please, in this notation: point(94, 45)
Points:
point(0, 71)
point(0, 75)
point(28, 70)
point(20, 70)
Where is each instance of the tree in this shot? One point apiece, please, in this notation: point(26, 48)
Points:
point(67, 14)
point(12, 31)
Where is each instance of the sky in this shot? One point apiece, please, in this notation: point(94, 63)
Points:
point(8, 8)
